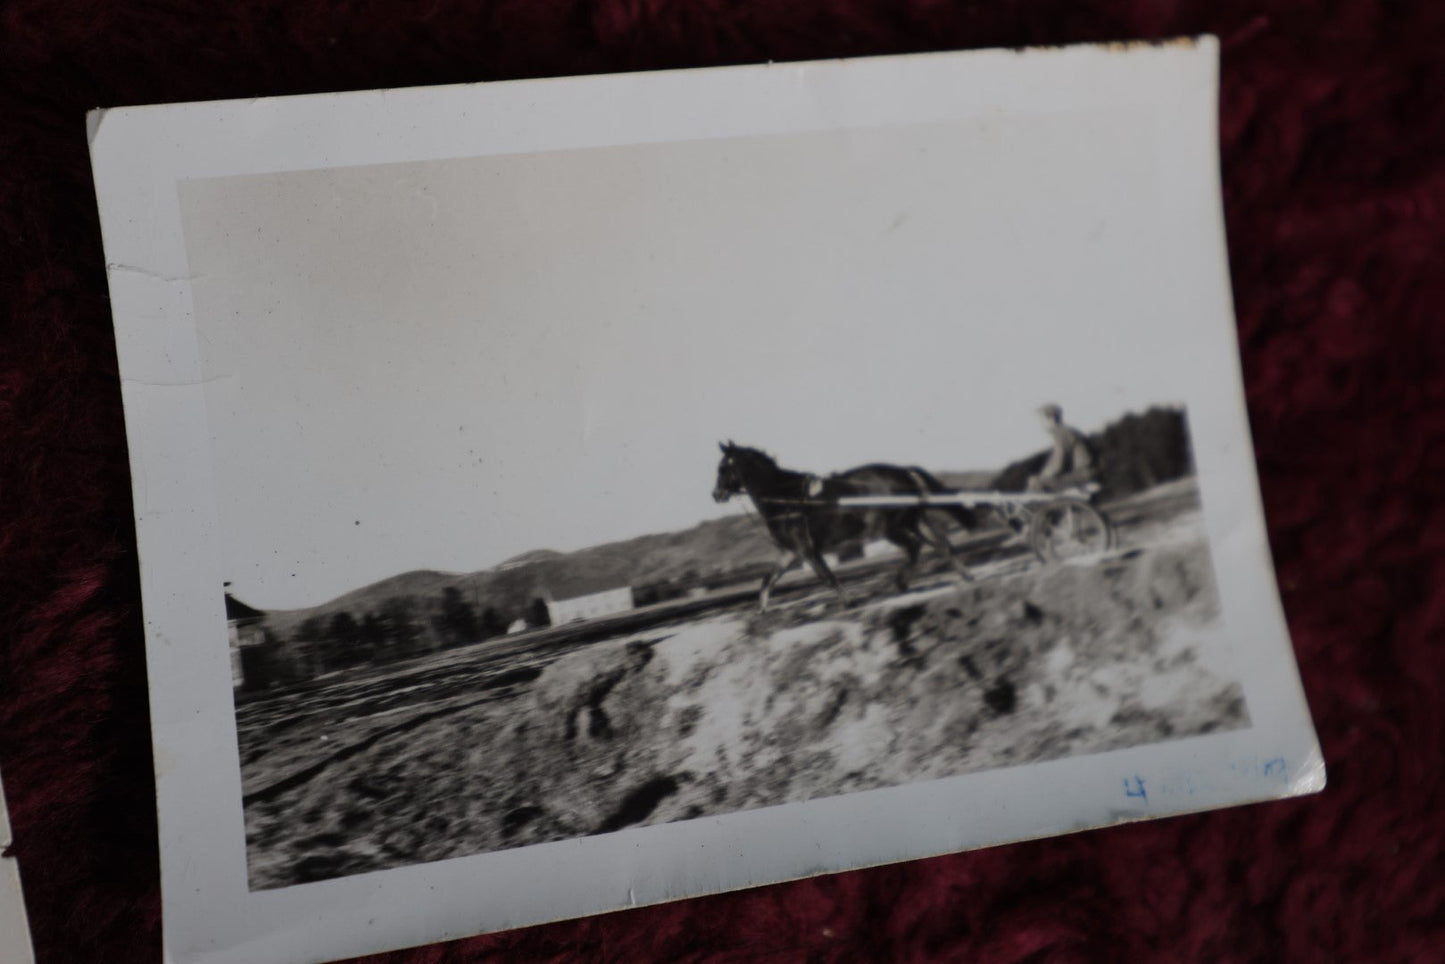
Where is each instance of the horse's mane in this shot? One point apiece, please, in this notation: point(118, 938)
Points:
point(749, 454)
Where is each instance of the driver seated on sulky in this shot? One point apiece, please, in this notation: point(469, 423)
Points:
point(1071, 463)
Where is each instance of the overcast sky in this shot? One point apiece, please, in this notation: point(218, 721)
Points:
point(443, 364)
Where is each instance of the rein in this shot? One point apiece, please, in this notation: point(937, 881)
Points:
point(821, 503)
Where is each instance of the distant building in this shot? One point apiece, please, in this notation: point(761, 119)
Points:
point(248, 644)
point(569, 600)
point(879, 548)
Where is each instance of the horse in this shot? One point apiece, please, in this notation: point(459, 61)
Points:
point(804, 519)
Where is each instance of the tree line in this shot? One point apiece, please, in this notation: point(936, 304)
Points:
point(1138, 452)
point(400, 626)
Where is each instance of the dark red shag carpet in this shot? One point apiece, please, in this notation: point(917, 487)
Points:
point(1333, 131)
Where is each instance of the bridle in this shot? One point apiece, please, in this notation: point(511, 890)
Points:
point(737, 486)
point(734, 480)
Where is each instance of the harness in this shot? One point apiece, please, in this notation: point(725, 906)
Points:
point(814, 490)
point(794, 519)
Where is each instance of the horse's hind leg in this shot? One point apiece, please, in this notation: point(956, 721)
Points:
point(907, 539)
point(930, 530)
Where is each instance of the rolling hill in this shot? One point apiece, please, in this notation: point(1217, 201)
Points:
point(713, 551)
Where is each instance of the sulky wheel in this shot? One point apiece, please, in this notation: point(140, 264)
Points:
point(1069, 528)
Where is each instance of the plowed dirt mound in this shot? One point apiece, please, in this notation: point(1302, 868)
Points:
point(815, 700)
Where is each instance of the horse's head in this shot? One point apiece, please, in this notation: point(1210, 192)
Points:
point(729, 475)
point(740, 468)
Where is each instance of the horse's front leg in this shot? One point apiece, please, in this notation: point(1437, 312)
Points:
point(787, 562)
point(815, 560)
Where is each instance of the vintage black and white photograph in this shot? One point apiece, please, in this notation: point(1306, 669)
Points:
point(574, 492)
point(559, 496)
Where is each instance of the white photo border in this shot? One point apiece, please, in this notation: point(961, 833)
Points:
point(141, 154)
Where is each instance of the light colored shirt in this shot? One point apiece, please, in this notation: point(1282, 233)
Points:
point(1070, 453)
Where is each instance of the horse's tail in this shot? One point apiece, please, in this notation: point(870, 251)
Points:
point(929, 484)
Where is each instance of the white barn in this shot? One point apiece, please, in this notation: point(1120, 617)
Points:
point(571, 600)
point(243, 627)
point(880, 548)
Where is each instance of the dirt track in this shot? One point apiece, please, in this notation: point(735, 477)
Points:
point(481, 749)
